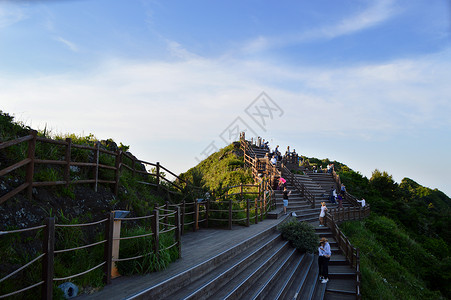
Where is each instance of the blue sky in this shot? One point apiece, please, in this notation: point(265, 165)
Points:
point(362, 82)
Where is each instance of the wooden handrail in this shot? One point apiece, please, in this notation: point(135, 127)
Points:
point(299, 186)
point(352, 254)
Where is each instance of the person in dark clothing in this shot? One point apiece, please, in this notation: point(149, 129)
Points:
point(285, 193)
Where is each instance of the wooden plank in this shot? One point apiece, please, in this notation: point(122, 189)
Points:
point(15, 142)
point(13, 192)
point(83, 181)
point(82, 164)
point(15, 166)
point(48, 183)
point(50, 141)
point(50, 162)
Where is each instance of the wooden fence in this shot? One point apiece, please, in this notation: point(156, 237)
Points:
point(136, 167)
point(160, 225)
point(167, 218)
point(352, 254)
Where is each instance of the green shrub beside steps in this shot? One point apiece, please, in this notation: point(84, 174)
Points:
point(301, 235)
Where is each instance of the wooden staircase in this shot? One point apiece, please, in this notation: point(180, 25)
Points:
point(264, 267)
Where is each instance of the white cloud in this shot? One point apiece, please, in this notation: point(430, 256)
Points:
point(156, 106)
point(10, 14)
point(375, 14)
point(71, 46)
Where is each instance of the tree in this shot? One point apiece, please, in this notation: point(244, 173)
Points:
point(383, 183)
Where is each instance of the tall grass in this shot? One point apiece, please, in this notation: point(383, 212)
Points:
point(391, 262)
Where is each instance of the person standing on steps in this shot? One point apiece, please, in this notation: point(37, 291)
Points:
point(331, 194)
point(324, 254)
point(343, 190)
point(340, 201)
point(322, 214)
point(285, 193)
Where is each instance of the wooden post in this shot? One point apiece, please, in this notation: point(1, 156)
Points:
point(347, 249)
point(96, 168)
point(158, 175)
point(183, 216)
point(256, 211)
point(177, 230)
point(248, 208)
point(230, 214)
point(196, 215)
point(261, 209)
point(166, 217)
point(48, 247)
point(68, 159)
point(117, 171)
point(108, 250)
point(156, 232)
point(116, 246)
point(241, 193)
point(30, 167)
point(207, 212)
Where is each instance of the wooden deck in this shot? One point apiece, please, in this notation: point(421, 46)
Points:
point(197, 247)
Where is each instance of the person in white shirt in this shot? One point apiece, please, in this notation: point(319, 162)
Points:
point(362, 202)
point(324, 254)
point(322, 214)
point(274, 160)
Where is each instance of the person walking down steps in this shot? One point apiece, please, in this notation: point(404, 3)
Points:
point(285, 193)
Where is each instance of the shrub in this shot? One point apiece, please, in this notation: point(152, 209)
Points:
point(301, 235)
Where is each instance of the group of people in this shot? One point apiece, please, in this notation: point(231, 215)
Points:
point(261, 143)
point(334, 197)
point(324, 251)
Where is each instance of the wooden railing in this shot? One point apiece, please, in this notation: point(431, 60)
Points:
point(299, 186)
point(166, 222)
point(119, 157)
point(226, 208)
point(352, 254)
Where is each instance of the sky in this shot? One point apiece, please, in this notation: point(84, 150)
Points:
point(366, 83)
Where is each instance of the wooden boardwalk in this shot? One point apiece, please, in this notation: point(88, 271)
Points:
point(197, 247)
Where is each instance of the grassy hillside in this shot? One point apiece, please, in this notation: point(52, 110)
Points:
point(71, 205)
point(220, 170)
point(405, 245)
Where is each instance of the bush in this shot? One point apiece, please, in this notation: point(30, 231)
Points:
point(301, 235)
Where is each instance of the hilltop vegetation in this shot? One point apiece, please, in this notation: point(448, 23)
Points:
point(405, 244)
point(220, 170)
point(74, 204)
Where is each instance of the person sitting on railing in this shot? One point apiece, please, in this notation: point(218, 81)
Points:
point(274, 160)
point(362, 202)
